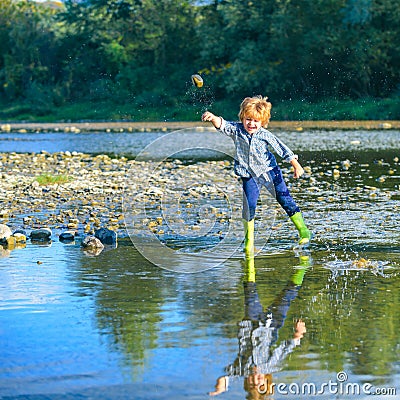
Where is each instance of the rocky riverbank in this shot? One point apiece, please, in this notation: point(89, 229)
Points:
point(89, 199)
point(90, 196)
point(187, 206)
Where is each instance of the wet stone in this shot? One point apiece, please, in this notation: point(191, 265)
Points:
point(67, 236)
point(91, 242)
point(19, 237)
point(106, 236)
point(41, 234)
point(5, 233)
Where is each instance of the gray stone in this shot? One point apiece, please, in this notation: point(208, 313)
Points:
point(106, 236)
point(41, 234)
point(67, 236)
point(92, 242)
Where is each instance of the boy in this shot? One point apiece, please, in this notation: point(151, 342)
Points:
point(257, 166)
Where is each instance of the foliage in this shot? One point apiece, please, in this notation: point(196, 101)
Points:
point(286, 110)
point(50, 179)
point(142, 52)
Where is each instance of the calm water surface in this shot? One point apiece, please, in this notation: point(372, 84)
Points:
point(117, 327)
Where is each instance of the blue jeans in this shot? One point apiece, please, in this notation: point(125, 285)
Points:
point(278, 310)
point(275, 185)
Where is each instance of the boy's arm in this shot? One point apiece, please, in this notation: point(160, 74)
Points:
point(209, 116)
point(298, 169)
point(284, 152)
point(300, 329)
point(221, 386)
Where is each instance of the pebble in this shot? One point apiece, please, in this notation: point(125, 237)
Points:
point(346, 164)
point(362, 263)
point(197, 80)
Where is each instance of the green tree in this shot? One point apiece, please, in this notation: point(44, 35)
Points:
point(236, 35)
point(29, 65)
point(7, 9)
point(338, 49)
point(140, 44)
point(304, 48)
point(144, 51)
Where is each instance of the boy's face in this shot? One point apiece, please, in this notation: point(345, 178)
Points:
point(251, 124)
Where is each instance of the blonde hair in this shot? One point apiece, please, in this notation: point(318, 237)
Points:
point(256, 107)
point(259, 392)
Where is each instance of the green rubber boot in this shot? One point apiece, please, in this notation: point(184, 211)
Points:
point(304, 233)
point(249, 270)
point(248, 236)
point(305, 264)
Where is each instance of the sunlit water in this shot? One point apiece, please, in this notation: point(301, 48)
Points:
point(117, 327)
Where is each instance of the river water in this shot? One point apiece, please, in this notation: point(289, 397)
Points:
point(319, 323)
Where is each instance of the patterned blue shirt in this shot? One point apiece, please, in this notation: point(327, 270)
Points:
point(253, 156)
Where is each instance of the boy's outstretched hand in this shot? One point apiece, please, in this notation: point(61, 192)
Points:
point(210, 117)
point(300, 329)
point(298, 169)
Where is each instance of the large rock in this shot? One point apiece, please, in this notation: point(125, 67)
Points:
point(41, 234)
point(67, 236)
point(92, 242)
point(92, 246)
point(5, 233)
point(106, 236)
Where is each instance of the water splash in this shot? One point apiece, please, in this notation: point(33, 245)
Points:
point(376, 267)
point(202, 97)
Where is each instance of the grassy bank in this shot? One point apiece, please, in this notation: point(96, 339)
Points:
point(362, 109)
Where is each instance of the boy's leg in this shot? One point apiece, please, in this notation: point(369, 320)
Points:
point(277, 187)
point(284, 198)
point(251, 192)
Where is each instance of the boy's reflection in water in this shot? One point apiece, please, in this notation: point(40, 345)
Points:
point(258, 333)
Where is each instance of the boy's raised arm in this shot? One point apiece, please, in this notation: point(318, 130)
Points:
point(209, 116)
